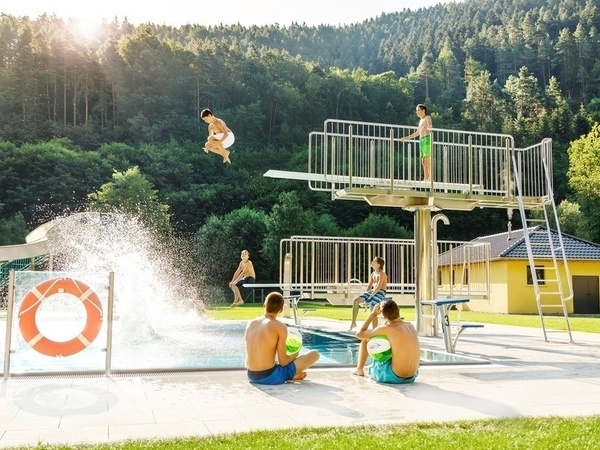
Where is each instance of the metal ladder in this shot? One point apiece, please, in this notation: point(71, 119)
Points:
point(544, 244)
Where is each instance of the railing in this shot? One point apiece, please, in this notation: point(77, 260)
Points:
point(354, 155)
point(340, 265)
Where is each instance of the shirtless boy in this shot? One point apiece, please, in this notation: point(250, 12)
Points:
point(267, 361)
point(403, 367)
point(424, 133)
point(243, 275)
point(376, 290)
point(220, 137)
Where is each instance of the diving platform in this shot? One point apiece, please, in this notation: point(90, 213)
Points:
point(370, 162)
point(378, 164)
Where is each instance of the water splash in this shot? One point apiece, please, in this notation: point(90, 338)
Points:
point(151, 294)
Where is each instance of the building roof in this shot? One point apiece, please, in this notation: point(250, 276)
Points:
point(503, 246)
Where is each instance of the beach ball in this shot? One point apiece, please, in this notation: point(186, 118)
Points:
point(293, 341)
point(379, 348)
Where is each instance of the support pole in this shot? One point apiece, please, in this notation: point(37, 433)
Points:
point(287, 283)
point(422, 229)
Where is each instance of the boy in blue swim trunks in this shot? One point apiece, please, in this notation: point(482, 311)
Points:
point(267, 361)
point(376, 290)
point(403, 367)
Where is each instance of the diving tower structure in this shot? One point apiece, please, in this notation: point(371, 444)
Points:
point(370, 162)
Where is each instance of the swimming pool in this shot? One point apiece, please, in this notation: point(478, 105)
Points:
point(197, 345)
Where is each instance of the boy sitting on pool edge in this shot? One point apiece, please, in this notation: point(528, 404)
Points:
point(403, 366)
point(267, 361)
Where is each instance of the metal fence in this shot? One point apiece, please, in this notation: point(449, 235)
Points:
point(352, 155)
point(326, 267)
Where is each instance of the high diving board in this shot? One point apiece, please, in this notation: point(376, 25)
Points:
point(408, 194)
point(369, 181)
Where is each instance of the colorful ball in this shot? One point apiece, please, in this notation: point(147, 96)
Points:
point(379, 348)
point(293, 343)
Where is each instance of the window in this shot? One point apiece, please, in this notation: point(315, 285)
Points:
point(539, 273)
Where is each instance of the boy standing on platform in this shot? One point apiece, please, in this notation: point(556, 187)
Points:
point(424, 133)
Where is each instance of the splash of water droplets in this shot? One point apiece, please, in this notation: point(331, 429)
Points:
point(151, 295)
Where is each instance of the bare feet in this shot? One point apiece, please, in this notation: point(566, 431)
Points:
point(352, 325)
point(299, 376)
point(358, 372)
point(226, 159)
point(205, 150)
point(234, 304)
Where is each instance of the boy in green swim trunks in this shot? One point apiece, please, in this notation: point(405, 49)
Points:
point(403, 367)
point(424, 133)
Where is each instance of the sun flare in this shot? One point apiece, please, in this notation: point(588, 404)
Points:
point(86, 28)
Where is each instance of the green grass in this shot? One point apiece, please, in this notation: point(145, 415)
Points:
point(580, 433)
point(590, 324)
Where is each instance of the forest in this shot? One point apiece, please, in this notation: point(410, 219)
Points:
point(110, 120)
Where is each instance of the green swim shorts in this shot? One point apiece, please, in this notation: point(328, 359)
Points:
point(425, 146)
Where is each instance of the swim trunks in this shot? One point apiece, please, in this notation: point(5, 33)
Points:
point(383, 373)
point(227, 142)
point(276, 375)
point(425, 146)
point(377, 298)
point(247, 280)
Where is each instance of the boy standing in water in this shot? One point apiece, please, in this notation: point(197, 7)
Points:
point(424, 133)
point(220, 137)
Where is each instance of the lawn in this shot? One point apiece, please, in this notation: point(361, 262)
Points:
point(590, 324)
point(517, 433)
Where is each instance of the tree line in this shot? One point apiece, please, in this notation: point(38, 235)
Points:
point(75, 110)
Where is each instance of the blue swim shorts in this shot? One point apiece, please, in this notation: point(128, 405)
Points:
point(276, 375)
point(382, 372)
point(377, 298)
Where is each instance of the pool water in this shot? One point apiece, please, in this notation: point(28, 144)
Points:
point(208, 345)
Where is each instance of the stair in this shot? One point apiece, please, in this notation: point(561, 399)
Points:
point(545, 245)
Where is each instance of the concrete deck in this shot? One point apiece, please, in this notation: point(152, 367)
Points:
point(526, 377)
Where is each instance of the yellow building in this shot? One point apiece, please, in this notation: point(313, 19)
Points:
point(511, 287)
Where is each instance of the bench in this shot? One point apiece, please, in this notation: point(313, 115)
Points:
point(442, 307)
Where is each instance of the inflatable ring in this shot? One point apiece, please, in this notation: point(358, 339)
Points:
point(32, 301)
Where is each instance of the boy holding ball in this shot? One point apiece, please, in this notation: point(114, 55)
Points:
point(403, 366)
point(267, 360)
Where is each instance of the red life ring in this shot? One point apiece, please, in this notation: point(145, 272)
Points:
point(32, 301)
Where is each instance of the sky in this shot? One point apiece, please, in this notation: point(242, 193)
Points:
point(245, 12)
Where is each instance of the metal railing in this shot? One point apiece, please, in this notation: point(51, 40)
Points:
point(352, 155)
point(325, 266)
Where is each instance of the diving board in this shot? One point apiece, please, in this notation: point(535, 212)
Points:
point(404, 193)
point(368, 181)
